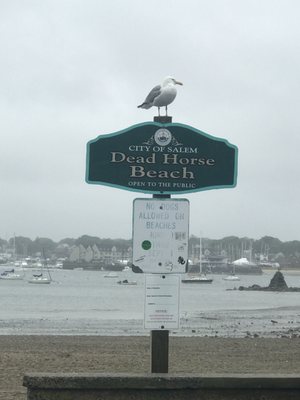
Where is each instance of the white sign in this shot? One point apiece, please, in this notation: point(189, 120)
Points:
point(160, 235)
point(161, 301)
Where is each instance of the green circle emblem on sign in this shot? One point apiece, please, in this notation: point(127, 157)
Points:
point(146, 245)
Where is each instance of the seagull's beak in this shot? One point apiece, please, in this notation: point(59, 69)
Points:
point(178, 83)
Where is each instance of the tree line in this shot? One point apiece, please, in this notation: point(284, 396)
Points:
point(232, 246)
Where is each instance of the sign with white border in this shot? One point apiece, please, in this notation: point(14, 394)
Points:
point(160, 235)
point(161, 301)
point(161, 158)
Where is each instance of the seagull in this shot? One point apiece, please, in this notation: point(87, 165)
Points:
point(161, 95)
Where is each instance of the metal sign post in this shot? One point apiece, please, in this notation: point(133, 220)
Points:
point(160, 338)
point(159, 345)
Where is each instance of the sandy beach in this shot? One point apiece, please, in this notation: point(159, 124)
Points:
point(23, 354)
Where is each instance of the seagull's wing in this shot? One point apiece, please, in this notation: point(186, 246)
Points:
point(156, 91)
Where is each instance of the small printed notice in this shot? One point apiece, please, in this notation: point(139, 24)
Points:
point(160, 235)
point(162, 301)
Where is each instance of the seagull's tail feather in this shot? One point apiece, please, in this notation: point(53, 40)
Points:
point(145, 105)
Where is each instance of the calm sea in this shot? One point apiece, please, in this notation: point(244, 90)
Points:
point(88, 303)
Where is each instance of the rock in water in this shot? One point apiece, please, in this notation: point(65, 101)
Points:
point(278, 282)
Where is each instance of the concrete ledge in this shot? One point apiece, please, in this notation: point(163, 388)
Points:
point(161, 386)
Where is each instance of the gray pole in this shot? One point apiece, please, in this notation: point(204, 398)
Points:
point(160, 338)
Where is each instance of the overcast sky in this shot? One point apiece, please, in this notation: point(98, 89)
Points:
point(74, 69)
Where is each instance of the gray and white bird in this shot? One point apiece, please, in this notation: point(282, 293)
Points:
point(161, 95)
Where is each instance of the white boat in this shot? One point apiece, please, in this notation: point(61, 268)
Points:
point(198, 278)
point(11, 275)
point(127, 282)
point(111, 275)
point(41, 278)
point(232, 277)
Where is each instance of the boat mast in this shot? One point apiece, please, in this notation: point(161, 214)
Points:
point(14, 249)
point(200, 255)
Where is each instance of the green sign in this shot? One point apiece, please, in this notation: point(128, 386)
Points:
point(161, 158)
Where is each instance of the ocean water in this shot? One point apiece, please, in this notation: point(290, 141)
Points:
point(88, 303)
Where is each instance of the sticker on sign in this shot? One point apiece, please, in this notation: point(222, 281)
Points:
point(160, 235)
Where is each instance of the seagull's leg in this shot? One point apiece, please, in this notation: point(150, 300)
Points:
point(166, 111)
point(158, 111)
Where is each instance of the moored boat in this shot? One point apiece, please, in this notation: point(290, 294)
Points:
point(127, 282)
point(197, 279)
point(231, 277)
point(12, 275)
point(40, 279)
point(111, 275)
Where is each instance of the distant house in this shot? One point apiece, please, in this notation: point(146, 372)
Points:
point(94, 253)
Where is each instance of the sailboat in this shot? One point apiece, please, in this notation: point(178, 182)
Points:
point(198, 278)
point(232, 276)
point(127, 282)
point(41, 278)
point(12, 274)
